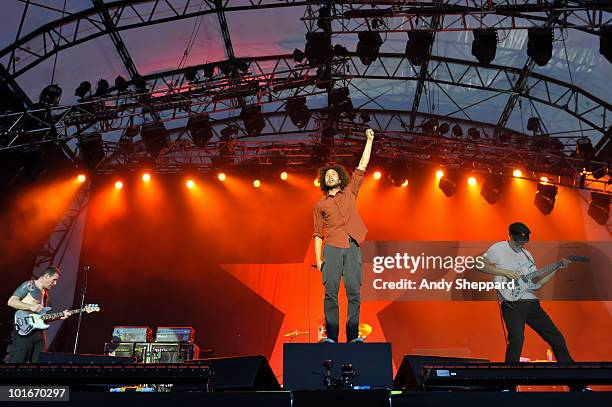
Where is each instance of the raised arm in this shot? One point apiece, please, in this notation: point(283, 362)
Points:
point(365, 157)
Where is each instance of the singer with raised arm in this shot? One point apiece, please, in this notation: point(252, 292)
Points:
point(337, 221)
point(31, 296)
point(508, 260)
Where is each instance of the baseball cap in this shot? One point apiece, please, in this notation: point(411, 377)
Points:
point(519, 232)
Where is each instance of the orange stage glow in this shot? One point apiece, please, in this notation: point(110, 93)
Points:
point(257, 183)
point(284, 176)
point(146, 177)
point(190, 184)
point(472, 181)
point(118, 185)
point(221, 176)
point(377, 174)
point(81, 178)
point(405, 183)
point(517, 173)
point(439, 174)
point(543, 180)
point(316, 182)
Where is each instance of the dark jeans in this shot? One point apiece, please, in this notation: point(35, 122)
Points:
point(519, 313)
point(26, 349)
point(339, 263)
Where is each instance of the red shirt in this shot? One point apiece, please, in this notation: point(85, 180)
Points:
point(338, 214)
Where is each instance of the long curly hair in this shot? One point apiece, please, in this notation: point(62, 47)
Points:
point(342, 173)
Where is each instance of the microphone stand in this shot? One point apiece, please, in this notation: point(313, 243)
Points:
point(83, 292)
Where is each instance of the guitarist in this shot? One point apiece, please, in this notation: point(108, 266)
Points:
point(31, 296)
point(505, 258)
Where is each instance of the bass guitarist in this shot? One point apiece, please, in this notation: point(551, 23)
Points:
point(31, 296)
point(510, 259)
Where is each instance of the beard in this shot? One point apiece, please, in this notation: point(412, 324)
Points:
point(330, 187)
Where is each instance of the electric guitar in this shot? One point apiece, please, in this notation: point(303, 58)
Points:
point(531, 279)
point(27, 321)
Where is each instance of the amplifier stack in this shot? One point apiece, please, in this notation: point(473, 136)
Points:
point(173, 344)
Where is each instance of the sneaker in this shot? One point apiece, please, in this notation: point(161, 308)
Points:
point(327, 340)
point(356, 340)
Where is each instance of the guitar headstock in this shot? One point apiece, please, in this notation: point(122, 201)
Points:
point(583, 259)
point(89, 308)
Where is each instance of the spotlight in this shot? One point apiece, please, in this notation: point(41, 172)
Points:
point(484, 45)
point(155, 137)
point(209, 71)
point(584, 148)
point(605, 42)
point(190, 184)
point(539, 45)
point(341, 104)
point(284, 176)
point(599, 207)
point(341, 51)
point(102, 88)
point(443, 128)
point(492, 187)
point(146, 177)
point(254, 122)
point(533, 124)
point(118, 185)
point(418, 45)
point(448, 183)
point(323, 20)
point(298, 111)
point(405, 183)
point(365, 117)
point(457, 131)
point(121, 84)
point(92, 149)
point(318, 48)
point(83, 89)
point(256, 183)
point(191, 74)
point(316, 182)
point(517, 173)
point(50, 95)
point(200, 128)
point(221, 176)
point(398, 172)
point(439, 174)
point(81, 178)
point(226, 68)
point(298, 55)
point(429, 126)
point(368, 46)
point(377, 175)
point(474, 133)
point(544, 180)
point(545, 198)
point(472, 181)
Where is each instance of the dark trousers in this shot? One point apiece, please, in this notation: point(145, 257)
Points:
point(339, 263)
point(26, 349)
point(519, 313)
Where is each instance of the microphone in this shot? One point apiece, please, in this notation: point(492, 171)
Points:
point(86, 267)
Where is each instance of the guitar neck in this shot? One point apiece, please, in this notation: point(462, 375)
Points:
point(57, 315)
point(545, 270)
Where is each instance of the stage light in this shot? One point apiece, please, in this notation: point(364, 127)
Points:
point(155, 137)
point(341, 51)
point(50, 95)
point(190, 184)
point(316, 183)
point(492, 187)
point(146, 177)
point(209, 71)
point(484, 45)
point(284, 175)
point(323, 20)
point(121, 84)
point(439, 174)
point(118, 185)
point(91, 148)
point(298, 55)
point(418, 45)
point(448, 183)
point(102, 88)
point(443, 128)
point(540, 45)
point(377, 175)
point(257, 183)
point(81, 178)
point(457, 131)
point(83, 89)
point(599, 207)
point(584, 148)
point(472, 181)
point(341, 104)
point(221, 176)
point(544, 180)
point(200, 128)
point(368, 46)
point(253, 121)
point(398, 171)
point(474, 133)
point(405, 183)
point(545, 198)
point(298, 111)
point(318, 48)
point(517, 173)
point(533, 124)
